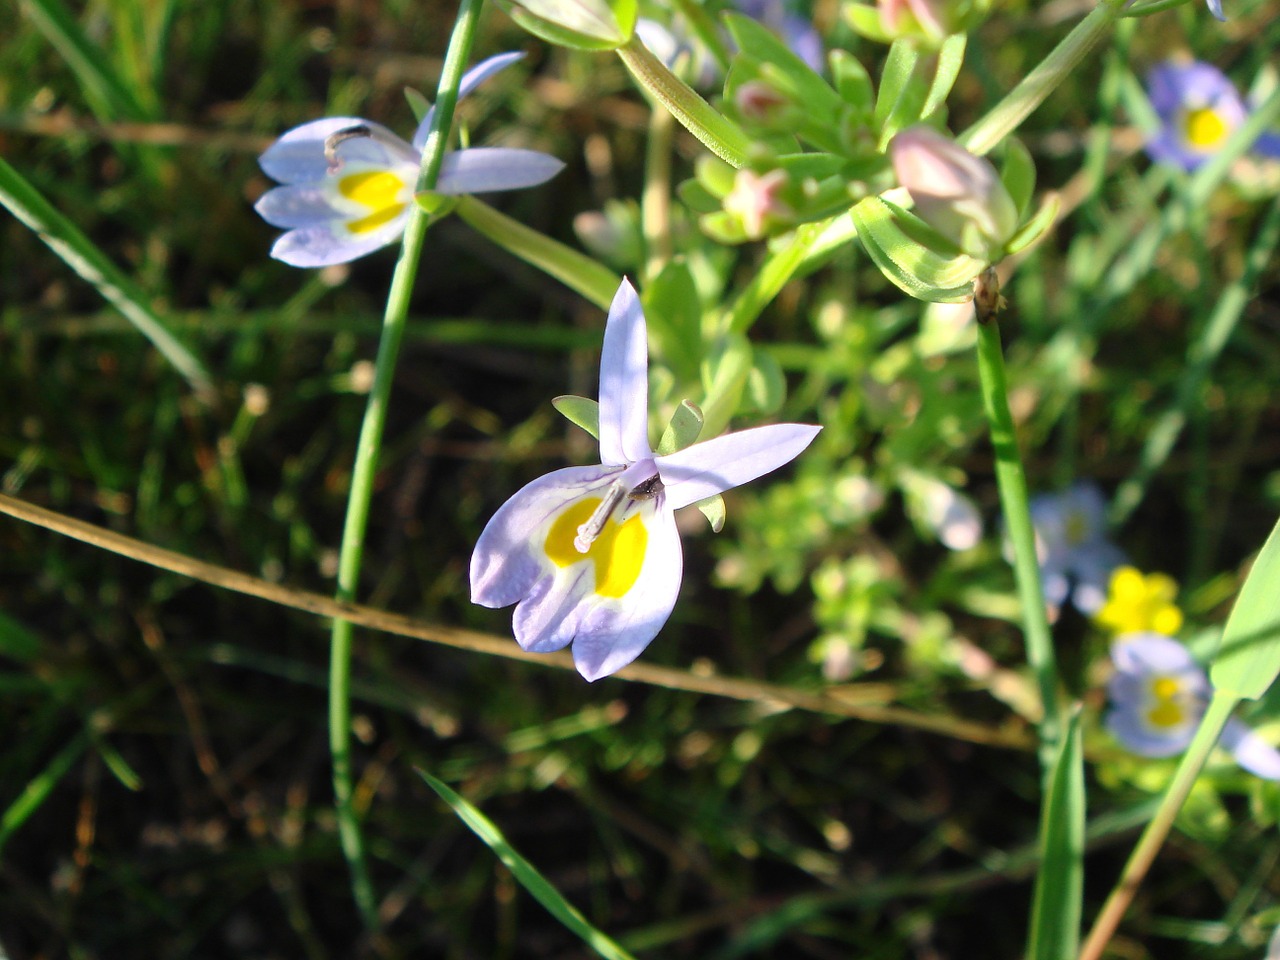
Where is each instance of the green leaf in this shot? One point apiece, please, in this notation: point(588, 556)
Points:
point(1018, 174)
point(896, 241)
point(575, 270)
point(902, 92)
point(674, 312)
point(1056, 903)
point(724, 376)
point(852, 81)
point(782, 66)
point(950, 60)
point(1248, 660)
point(864, 20)
point(713, 509)
point(418, 103)
point(766, 383)
point(1034, 229)
point(526, 874)
point(580, 411)
point(683, 430)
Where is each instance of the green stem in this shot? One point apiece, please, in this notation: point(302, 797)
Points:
point(719, 134)
point(655, 202)
point(774, 274)
point(1144, 853)
point(1035, 87)
point(365, 467)
point(1014, 503)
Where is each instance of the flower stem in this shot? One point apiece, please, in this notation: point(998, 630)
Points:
point(1035, 87)
point(655, 203)
point(365, 467)
point(1012, 483)
point(718, 133)
point(1144, 853)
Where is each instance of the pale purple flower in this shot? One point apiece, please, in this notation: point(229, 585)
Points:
point(348, 183)
point(591, 555)
point(1198, 107)
point(1076, 558)
point(1158, 696)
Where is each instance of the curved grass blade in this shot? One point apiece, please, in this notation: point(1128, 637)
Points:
point(79, 253)
point(526, 874)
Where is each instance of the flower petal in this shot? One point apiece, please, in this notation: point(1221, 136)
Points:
point(298, 205)
point(717, 465)
point(486, 169)
point(508, 560)
point(1143, 654)
point(1125, 724)
point(1250, 750)
point(299, 155)
point(327, 244)
point(1215, 7)
point(612, 633)
point(624, 381)
point(477, 75)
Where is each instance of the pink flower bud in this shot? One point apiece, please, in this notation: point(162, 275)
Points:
point(958, 194)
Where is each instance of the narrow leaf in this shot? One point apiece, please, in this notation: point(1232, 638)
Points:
point(1059, 891)
point(526, 874)
point(580, 411)
point(1248, 660)
point(950, 60)
point(683, 430)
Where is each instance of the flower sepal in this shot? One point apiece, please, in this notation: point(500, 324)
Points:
point(580, 411)
point(578, 24)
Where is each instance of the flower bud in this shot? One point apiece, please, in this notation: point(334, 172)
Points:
point(958, 194)
point(756, 201)
point(581, 24)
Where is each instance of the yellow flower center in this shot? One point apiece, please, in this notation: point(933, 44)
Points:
point(379, 191)
point(1076, 528)
point(1137, 602)
point(1204, 128)
point(618, 552)
point(1168, 710)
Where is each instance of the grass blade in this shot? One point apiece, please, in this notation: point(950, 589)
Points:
point(1249, 659)
point(1056, 905)
point(81, 255)
point(526, 874)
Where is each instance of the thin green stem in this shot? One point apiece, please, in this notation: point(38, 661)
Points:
point(1149, 844)
point(655, 202)
point(1014, 503)
point(1035, 87)
point(365, 467)
point(718, 133)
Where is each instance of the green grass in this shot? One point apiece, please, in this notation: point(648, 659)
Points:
point(164, 783)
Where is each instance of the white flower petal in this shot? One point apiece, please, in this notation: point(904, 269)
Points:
point(325, 245)
point(613, 632)
point(486, 169)
point(299, 156)
point(624, 381)
point(696, 472)
point(298, 205)
point(477, 75)
point(1250, 750)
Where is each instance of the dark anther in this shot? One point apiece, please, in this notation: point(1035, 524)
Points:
point(332, 142)
point(646, 489)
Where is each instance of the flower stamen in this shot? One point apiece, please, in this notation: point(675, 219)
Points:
point(589, 531)
point(334, 140)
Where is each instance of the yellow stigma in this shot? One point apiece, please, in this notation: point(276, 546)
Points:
point(618, 552)
point(379, 191)
point(1137, 602)
point(1204, 128)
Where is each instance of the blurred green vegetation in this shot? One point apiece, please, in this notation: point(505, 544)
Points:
point(164, 783)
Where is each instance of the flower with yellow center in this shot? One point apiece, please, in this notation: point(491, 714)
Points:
point(1158, 695)
point(1076, 557)
point(590, 555)
point(1138, 602)
point(1198, 107)
point(348, 182)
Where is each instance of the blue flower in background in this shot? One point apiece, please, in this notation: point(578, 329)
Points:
point(1198, 106)
point(348, 182)
point(1158, 695)
point(1076, 558)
